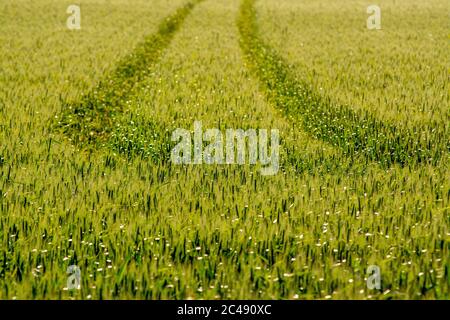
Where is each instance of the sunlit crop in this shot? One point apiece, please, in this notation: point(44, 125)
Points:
point(86, 180)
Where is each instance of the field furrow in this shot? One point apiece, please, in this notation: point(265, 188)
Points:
point(356, 133)
point(92, 120)
point(86, 177)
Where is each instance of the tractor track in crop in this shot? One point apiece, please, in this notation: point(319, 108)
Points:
point(90, 122)
point(358, 135)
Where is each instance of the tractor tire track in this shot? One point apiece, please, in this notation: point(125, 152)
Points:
point(357, 134)
point(90, 122)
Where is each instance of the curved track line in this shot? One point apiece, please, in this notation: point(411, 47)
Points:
point(91, 120)
point(355, 133)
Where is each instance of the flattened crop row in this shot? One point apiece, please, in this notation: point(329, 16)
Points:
point(98, 118)
point(357, 134)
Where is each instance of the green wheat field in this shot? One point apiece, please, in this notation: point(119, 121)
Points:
point(86, 179)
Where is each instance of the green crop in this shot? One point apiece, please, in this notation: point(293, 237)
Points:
point(86, 118)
